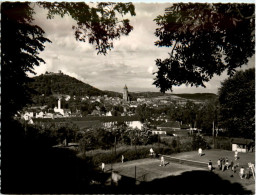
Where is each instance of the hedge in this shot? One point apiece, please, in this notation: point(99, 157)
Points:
point(130, 153)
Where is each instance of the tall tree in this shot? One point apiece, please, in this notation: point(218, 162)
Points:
point(21, 44)
point(237, 104)
point(189, 113)
point(206, 39)
point(207, 115)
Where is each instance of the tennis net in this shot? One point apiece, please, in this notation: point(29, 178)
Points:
point(186, 162)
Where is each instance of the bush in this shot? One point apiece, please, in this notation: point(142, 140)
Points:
point(223, 143)
point(220, 142)
point(198, 142)
point(174, 143)
point(152, 139)
point(178, 144)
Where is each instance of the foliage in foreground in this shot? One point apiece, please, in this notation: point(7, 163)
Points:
point(206, 39)
point(237, 104)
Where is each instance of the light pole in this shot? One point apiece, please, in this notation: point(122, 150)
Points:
point(213, 125)
point(115, 146)
point(213, 134)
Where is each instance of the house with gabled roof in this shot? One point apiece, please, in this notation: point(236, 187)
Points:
point(174, 128)
point(158, 132)
point(174, 125)
point(242, 145)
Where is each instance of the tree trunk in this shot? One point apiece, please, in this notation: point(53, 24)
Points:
point(115, 146)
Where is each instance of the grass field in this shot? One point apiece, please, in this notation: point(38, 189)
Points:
point(149, 170)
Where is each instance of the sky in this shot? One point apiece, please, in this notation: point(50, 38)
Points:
point(130, 62)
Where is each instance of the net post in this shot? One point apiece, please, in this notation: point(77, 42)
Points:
point(135, 175)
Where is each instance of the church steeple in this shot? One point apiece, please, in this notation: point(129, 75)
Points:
point(125, 93)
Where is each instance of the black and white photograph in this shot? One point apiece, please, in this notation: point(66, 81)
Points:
point(135, 97)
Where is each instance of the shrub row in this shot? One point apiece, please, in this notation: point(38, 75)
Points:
point(130, 153)
point(167, 145)
point(220, 142)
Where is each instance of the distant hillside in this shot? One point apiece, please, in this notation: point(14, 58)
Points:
point(52, 84)
point(59, 83)
point(147, 94)
point(197, 96)
point(194, 96)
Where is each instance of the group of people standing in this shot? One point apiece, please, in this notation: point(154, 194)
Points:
point(224, 164)
point(248, 172)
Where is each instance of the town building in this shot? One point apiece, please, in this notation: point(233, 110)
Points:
point(28, 115)
point(63, 112)
point(242, 145)
point(174, 128)
point(158, 132)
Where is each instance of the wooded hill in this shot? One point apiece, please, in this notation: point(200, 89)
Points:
point(59, 83)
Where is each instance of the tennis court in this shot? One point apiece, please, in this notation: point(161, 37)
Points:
point(148, 169)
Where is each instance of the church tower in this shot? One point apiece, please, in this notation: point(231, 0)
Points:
point(59, 103)
point(125, 94)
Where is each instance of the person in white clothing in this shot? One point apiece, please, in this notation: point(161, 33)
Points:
point(236, 155)
point(151, 151)
point(200, 151)
point(162, 161)
point(103, 167)
point(242, 172)
point(210, 165)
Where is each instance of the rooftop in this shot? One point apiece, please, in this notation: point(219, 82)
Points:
point(241, 141)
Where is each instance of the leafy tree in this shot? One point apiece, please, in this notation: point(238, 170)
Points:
point(88, 142)
point(96, 138)
point(41, 136)
point(144, 112)
point(206, 115)
point(237, 104)
point(104, 138)
point(198, 142)
point(98, 25)
point(21, 44)
point(206, 39)
point(120, 133)
point(176, 112)
point(47, 90)
point(103, 109)
point(85, 108)
point(67, 132)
